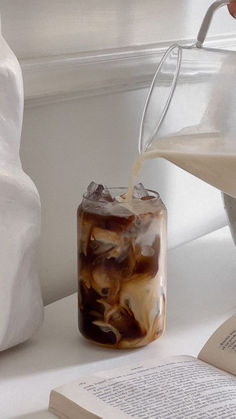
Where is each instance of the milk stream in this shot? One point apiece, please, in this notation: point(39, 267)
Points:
point(211, 157)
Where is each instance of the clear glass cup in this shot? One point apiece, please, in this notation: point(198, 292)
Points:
point(192, 90)
point(189, 115)
point(122, 269)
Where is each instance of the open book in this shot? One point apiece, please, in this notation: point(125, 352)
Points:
point(178, 387)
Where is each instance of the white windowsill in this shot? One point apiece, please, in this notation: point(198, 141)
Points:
point(65, 77)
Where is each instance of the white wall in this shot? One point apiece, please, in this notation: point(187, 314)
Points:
point(67, 144)
point(36, 28)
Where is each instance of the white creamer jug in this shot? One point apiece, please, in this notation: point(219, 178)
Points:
point(20, 215)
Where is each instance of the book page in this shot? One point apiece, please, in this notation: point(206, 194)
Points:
point(220, 349)
point(179, 387)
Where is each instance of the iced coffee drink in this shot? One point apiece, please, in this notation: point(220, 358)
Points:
point(121, 266)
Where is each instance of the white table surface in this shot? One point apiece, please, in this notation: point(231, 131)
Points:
point(201, 295)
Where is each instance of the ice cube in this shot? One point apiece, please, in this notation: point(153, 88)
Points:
point(147, 251)
point(94, 191)
point(139, 191)
point(98, 192)
point(100, 248)
point(106, 236)
point(106, 195)
point(119, 199)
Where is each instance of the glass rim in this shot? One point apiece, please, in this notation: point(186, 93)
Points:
point(122, 188)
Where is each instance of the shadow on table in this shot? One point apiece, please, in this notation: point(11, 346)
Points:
point(57, 345)
point(41, 414)
point(201, 281)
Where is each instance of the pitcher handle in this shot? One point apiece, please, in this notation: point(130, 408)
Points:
point(207, 20)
